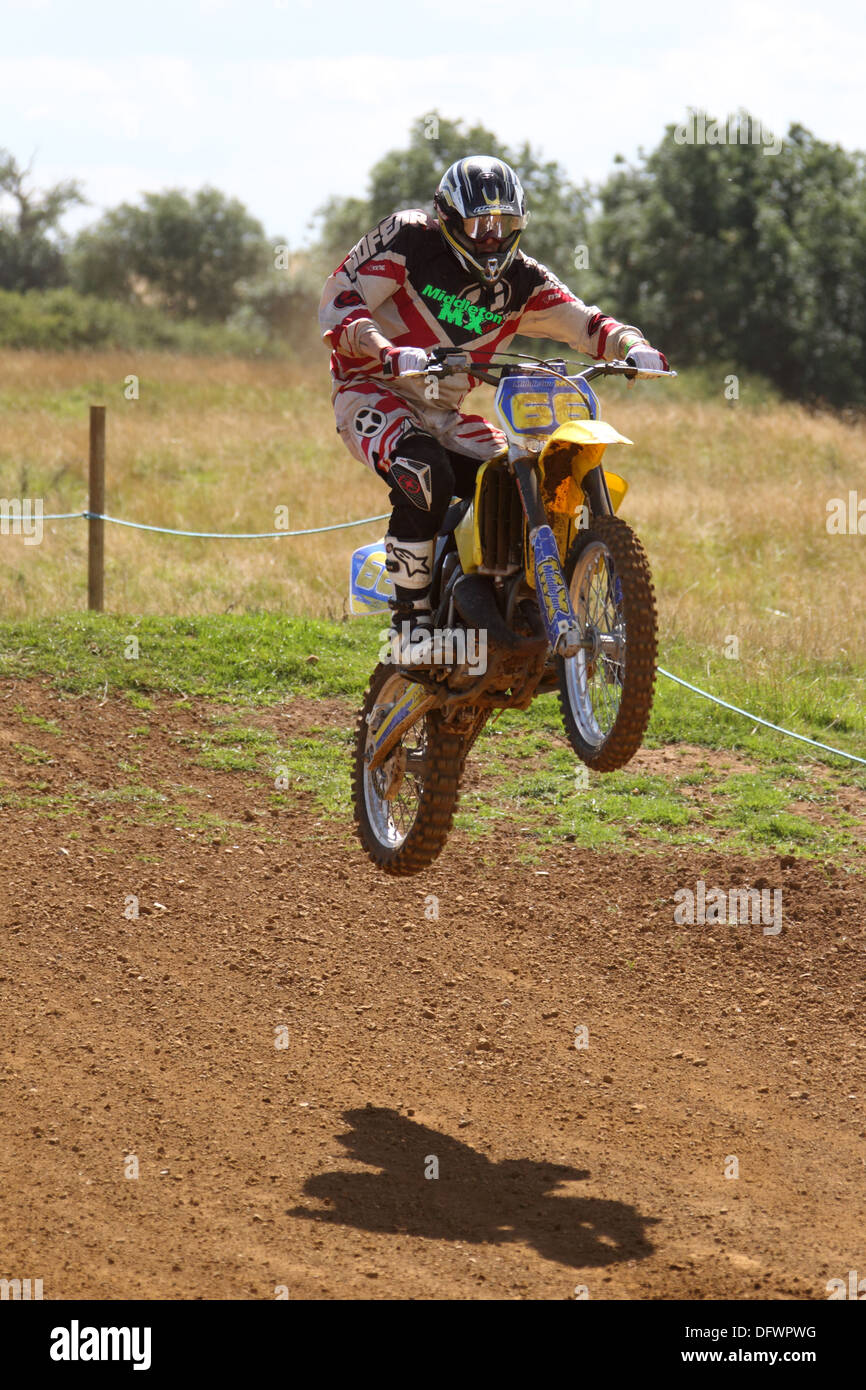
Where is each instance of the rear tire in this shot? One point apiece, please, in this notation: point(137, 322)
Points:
point(405, 834)
point(607, 696)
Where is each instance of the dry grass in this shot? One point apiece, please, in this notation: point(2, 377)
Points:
point(732, 505)
point(209, 446)
point(730, 500)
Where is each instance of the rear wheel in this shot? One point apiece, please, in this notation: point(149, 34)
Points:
point(404, 809)
point(606, 691)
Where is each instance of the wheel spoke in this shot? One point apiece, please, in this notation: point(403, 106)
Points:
point(594, 679)
point(606, 689)
point(392, 818)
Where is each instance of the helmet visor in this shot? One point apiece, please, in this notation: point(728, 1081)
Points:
point(497, 225)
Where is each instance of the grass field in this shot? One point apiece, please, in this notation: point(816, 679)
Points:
point(730, 498)
point(758, 791)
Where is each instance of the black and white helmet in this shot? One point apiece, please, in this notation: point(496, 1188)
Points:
point(481, 209)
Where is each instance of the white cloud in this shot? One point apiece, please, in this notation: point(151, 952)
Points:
point(285, 132)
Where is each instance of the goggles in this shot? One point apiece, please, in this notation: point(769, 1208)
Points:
point(493, 224)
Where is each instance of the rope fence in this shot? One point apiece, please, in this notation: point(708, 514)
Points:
point(840, 752)
point(211, 535)
point(96, 516)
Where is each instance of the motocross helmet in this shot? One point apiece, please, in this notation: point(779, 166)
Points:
point(481, 210)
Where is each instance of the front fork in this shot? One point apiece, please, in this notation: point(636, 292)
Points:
point(394, 722)
point(554, 602)
point(551, 591)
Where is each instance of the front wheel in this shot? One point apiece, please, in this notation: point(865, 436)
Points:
point(606, 690)
point(404, 808)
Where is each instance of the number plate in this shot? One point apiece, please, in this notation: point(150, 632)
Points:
point(538, 405)
point(370, 585)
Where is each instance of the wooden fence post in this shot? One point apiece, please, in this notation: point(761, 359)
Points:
point(96, 527)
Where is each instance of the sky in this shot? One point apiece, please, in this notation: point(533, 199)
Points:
point(284, 103)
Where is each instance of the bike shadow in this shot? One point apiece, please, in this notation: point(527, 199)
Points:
point(474, 1199)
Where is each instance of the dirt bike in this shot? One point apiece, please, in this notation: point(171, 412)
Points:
point(536, 567)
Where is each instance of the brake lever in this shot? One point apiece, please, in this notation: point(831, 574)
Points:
point(442, 362)
point(621, 368)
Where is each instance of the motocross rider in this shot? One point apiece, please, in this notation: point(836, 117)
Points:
point(417, 282)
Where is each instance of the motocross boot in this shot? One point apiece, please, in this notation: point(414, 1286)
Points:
point(410, 565)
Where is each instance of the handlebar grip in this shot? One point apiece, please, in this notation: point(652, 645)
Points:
point(439, 365)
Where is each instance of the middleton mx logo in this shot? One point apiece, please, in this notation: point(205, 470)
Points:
point(461, 312)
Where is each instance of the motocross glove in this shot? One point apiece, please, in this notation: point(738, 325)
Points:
point(646, 357)
point(395, 361)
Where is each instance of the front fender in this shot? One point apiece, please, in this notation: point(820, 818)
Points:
point(586, 441)
point(585, 432)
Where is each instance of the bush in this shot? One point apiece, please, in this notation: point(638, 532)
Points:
point(283, 305)
point(61, 320)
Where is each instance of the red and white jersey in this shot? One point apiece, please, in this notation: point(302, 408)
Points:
point(402, 280)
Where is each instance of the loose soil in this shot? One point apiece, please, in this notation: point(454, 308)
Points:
point(351, 1087)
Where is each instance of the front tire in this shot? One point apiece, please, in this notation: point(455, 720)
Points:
point(606, 694)
point(404, 809)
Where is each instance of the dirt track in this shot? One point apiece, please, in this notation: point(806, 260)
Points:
point(408, 1039)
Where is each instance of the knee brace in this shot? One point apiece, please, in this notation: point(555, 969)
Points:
point(422, 485)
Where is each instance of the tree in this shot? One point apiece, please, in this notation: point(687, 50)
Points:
point(722, 252)
point(283, 304)
point(408, 177)
point(31, 244)
point(343, 221)
point(186, 253)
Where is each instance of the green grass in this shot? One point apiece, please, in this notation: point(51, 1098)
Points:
point(48, 726)
point(28, 754)
point(260, 658)
point(318, 762)
point(526, 776)
point(162, 398)
point(263, 658)
point(130, 803)
point(233, 748)
point(745, 812)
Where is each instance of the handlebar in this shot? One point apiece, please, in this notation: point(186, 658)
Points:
point(444, 362)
